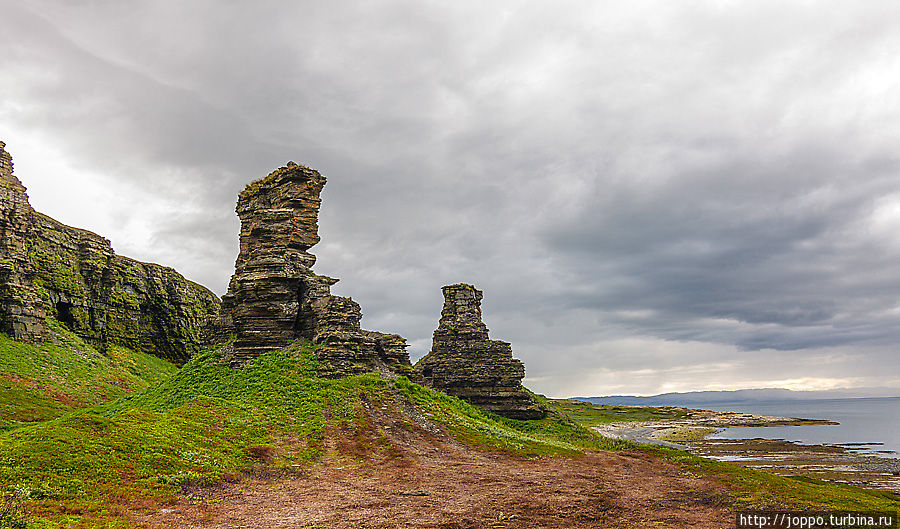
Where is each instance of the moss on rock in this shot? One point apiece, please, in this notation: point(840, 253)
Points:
point(75, 277)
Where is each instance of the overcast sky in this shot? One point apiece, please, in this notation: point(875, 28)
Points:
point(654, 195)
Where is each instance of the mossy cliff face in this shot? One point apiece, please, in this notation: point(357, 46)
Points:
point(465, 363)
point(275, 298)
point(21, 309)
point(73, 275)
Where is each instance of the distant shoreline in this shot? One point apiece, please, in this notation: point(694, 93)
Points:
point(697, 424)
point(833, 462)
point(724, 398)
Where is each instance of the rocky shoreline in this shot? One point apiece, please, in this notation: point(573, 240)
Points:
point(853, 463)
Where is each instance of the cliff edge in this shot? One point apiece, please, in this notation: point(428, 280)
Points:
point(48, 269)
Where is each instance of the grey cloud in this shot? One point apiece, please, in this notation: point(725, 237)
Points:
point(655, 184)
point(765, 243)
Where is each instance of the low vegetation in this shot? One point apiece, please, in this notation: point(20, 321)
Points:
point(92, 460)
point(754, 489)
point(210, 423)
point(595, 414)
point(41, 383)
point(555, 435)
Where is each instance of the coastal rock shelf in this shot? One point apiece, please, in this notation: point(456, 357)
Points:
point(275, 298)
point(852, 463)
point(48, 269)
point(465, 363)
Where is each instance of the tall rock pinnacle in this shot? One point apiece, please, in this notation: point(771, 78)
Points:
point(465, 363)
point(275, 298)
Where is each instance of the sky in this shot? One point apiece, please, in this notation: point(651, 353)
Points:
point(654, 196)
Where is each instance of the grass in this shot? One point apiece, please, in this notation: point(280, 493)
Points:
point(555, 435)
point(201, 425)
point(754, 489)
point(49, 381)
point(209, 423)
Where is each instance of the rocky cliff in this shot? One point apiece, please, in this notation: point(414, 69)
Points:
point(465, 363)
point(48, 269)
point(275, 298)
point(21, 310)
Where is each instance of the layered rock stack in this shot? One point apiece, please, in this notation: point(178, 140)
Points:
point(465, 363)
point(275, 298)
point(48, 269)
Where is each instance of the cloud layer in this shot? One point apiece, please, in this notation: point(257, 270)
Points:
point(654, 196)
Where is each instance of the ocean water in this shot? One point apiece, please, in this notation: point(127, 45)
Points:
point(875, 420)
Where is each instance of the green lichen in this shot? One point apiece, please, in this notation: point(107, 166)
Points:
point(116, 300)
point(56, 268)
point(291, 167)
point(124, 298)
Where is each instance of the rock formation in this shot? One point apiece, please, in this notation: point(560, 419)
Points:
point(21, 310)
point(465, 363)
point(274, 297)
point(48, 269)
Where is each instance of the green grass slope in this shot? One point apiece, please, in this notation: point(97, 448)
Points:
point(210, 423)
point(41, 383)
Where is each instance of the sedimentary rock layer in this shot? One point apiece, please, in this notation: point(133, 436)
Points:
point(21, 310)
point(465, 363)
point(275, 298)
point(75, 277)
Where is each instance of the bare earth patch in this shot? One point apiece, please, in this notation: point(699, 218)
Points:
point(439, 483)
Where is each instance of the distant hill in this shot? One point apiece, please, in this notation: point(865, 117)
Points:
point(695, 398)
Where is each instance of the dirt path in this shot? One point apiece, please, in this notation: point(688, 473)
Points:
point(461, 488)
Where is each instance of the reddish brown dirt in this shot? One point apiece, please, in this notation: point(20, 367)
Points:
point(468, 489)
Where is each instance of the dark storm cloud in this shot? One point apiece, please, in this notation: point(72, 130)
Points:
point(646, 191)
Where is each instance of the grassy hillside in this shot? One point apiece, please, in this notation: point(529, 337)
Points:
point(209, 423)
point(41, 383)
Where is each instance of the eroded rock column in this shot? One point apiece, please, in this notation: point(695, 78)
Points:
point(466, 363)
point(275, 298)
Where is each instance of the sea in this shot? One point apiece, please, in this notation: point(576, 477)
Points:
point(867, 425)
